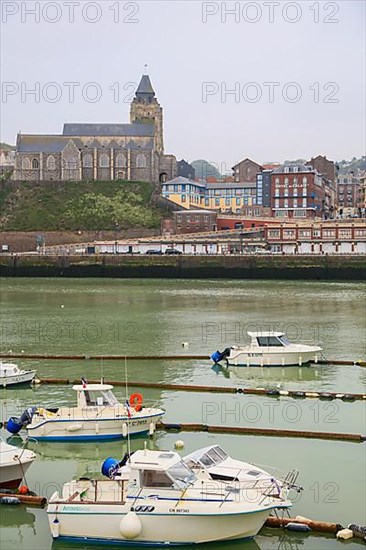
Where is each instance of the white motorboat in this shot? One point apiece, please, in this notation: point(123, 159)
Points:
point(14, 463)
point(155, 499)
point(214, 463)
point(11, 374)
point(97, 416)
point(268, 349)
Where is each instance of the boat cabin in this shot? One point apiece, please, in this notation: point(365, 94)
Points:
point(268, 339)
point(9, 369)
point(95, 395)
point(160, 469)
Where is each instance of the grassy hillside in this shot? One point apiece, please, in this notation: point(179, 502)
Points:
point(77, 205)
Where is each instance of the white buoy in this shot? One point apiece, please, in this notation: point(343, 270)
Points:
point(345, 534)
point(316, 359)
point(124, 429)
point(185, 344)
point(130, 526)
point(179, 444)
point(300, 361)
point(151, 428)
point(62, 306)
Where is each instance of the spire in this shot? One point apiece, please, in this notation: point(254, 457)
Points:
point(145, 91)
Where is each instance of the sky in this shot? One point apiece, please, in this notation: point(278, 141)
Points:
point(266, 80)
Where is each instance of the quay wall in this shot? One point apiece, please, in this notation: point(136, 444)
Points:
point(290, 267)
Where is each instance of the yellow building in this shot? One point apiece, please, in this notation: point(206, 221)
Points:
point(223, 197)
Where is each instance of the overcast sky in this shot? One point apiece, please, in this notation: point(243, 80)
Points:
point(313, 53)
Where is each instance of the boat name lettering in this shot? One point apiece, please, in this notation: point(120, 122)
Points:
point(137, 422)
point(255, 354)
point(76, 508)
point(179, 510)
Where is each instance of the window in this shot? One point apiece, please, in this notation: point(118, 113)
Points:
point(183, 198)
point(277, 181)
point(345, 233)
point(26, 164)
point(304, 232)
point(289, 233)
point(237, 202)
point(329, 233)
point(360, 232)
point(286, 181)
point(264, 341)
point(51, 163)
point(273, 233)
point(277, 203)
point(179, 218)
point(153, 478)
point(295, 203)
point(285, 203)
point(104, 160)
point(304, 180)
point(217, 202)
point(35, 164)
point(121, 161)
point(88, 161)
point(316, 233)
point(295, 182)
point(299, 213)
point(141, 161)
point(304, 202)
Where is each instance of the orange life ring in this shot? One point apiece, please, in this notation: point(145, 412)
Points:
point(136, 400)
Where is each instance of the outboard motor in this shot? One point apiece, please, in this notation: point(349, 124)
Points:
point(110, 467)
point(218, 356)
point(14, 424)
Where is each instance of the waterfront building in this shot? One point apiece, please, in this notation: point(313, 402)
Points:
point(133, 151)
point(348, 194)
point(194, 221)
point(317, 238)
point(299, 191)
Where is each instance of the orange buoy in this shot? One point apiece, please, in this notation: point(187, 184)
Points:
point(23, 490)
point(136, 400)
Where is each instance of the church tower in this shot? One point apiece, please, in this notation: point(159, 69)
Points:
point(146, 109)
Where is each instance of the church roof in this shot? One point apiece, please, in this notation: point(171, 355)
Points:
point(145, 87)
point(130, 130)
point(43, 143)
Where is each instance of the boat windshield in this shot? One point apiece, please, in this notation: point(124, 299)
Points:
point(285, 340)
point(177, 476)
point(181, 474)
point(269, 341)
point(102, 398)
point(213, 457)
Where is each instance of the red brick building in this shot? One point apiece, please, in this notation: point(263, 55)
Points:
point(246, 171)
point(298, 191)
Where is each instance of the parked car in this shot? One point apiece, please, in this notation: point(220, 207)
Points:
point(172, 251)
point(153, 251)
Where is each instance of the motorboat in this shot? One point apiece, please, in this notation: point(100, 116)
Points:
point(156, 499)
point(268, 349)
point(214, 463)
point(14, 463)
point(11, 374)
point(98, 415)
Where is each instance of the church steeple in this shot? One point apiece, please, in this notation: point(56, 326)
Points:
point(145, 109)
point(145, 91)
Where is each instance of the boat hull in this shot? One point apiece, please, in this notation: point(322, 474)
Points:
point(17, 379)
point(81, 429)
point(11, 475)
point(263, 358)
point(101, 523)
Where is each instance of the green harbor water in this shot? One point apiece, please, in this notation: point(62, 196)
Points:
point(152, 317)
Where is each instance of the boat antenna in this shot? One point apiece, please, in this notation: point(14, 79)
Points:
point(127, 405)
point(101, 370)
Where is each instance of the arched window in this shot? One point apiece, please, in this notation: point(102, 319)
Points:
point(141, 161)
point(121, 161)
point(88, 161)
point(104, 160)
point(71, 163)
point(26, 164)
point(35, 164)
point(304, 180)
point(286, 181)
point(51, 163)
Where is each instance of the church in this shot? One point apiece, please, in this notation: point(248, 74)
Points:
point(85, 152)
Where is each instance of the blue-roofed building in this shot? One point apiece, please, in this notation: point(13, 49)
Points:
point(93, 151)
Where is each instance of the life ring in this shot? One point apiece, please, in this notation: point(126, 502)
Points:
point(136, 400)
